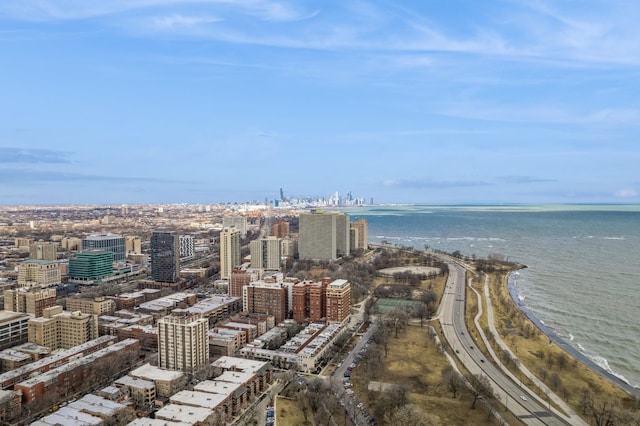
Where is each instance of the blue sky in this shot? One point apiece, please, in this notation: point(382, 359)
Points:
point(427, 101)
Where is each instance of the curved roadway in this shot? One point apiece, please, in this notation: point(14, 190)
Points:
point(516, 397)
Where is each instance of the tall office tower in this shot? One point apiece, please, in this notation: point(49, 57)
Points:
point(133, 244)
point(165, 256)
point(338, 300)
point(241, 277)
point(43, 251)
point(187, 247)
point(91, 265)
point(238, 222)
point(229, 251)
point(323, 236)
point(32, 301)
point(38, 273)
point(280, 229)
point(183, 344)
point(269, 298)
point(362, 233)
point(107, 242)
point(265, 253)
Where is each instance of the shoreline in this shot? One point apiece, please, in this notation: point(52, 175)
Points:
point(572, 351)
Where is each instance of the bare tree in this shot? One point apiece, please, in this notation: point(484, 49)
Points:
point(397, 319)
point(452, 380)
point(480, 388)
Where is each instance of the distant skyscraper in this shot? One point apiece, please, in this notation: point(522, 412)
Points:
point(229, 251)
point(183, 344)
point(265, 253)
point(165, 256)
point(323, 235)
point(108, 242)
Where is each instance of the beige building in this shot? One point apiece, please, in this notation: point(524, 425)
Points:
point(71, 244)
point(41, 273)
point(361, 239)
point(60, 329)
point(133, 245)
point(43, 251)
point(32, 301)
point(97, 306)
point(338, 300)
point(183, 344)
point(23, 243)
point(229, 251)
point(323, 235)
point(265, 253)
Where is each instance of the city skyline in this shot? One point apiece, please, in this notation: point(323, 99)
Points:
point(177, 101)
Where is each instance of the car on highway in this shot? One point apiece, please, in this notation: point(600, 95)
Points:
point(522, 397)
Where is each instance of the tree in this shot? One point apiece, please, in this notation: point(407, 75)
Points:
point(397, 319)
point(480, 388)
point(452, 380)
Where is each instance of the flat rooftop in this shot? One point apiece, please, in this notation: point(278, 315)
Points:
point(151, 372)
point(198, 399)
point(189, 415)
point(239, 364)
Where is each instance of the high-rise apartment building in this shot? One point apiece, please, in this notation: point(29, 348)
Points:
point(43, 251)
point(265, 253)
point(23, 243)
point(31, 301)
point(71, 244)
point(238, 222)
point(133, 244)
point(91, 265)
point(187, 247)
point(338, 300)
point(183, 344)
point(229, 251)
point(107, 242)
point(165, 256)
point(41, 273)
point(95, 306)
point(361, 227)
point(269, 298)
point(310, 299)
point(240, 277)
point(323, 235)
point(280, 229)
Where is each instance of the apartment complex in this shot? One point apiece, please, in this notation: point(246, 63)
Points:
point(107, 242)
point(59, 329)
point(360, 234)
point(269, 298)
point(238, 222)
point(229, 251)
point(41, 273)
point(165, 256)
point(266, 253)
point(240, 277)
point(43, 251)
point(280, 229)
point(95, 306)
point(338, 300)
point(187, 247)
point(183, 344)
point(309, 300)
point(31, 301)
point(133, 245)
point(323, 235)
point(13, 328)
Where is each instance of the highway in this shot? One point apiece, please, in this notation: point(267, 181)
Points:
point(515, 396)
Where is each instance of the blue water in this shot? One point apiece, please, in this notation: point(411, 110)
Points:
point(583, 275)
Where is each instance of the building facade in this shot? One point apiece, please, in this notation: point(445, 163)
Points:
point(338, 300)
point(31, 301)
point(165, 256)
point(91, 265)
point(41, 273)
point(266, 298)
point(43, 251)
point(266, 253)
point(183, 344)
point(238, 222)
point(361, 226)
point(59, 329)
point(323, 236)
point(280, 229)
point(229, 251)
point(187, 247)
point(107, 242)
point(133, 245)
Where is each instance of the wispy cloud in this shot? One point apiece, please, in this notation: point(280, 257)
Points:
point(414, 183)
point(524, 179)
point(29, 176)
point(28, 155)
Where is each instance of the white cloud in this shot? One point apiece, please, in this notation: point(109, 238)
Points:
point(626, 193)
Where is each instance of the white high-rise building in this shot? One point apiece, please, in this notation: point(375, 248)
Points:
point(229, 251)
point(183, 344)
point(187, 247)
point(265, 253)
